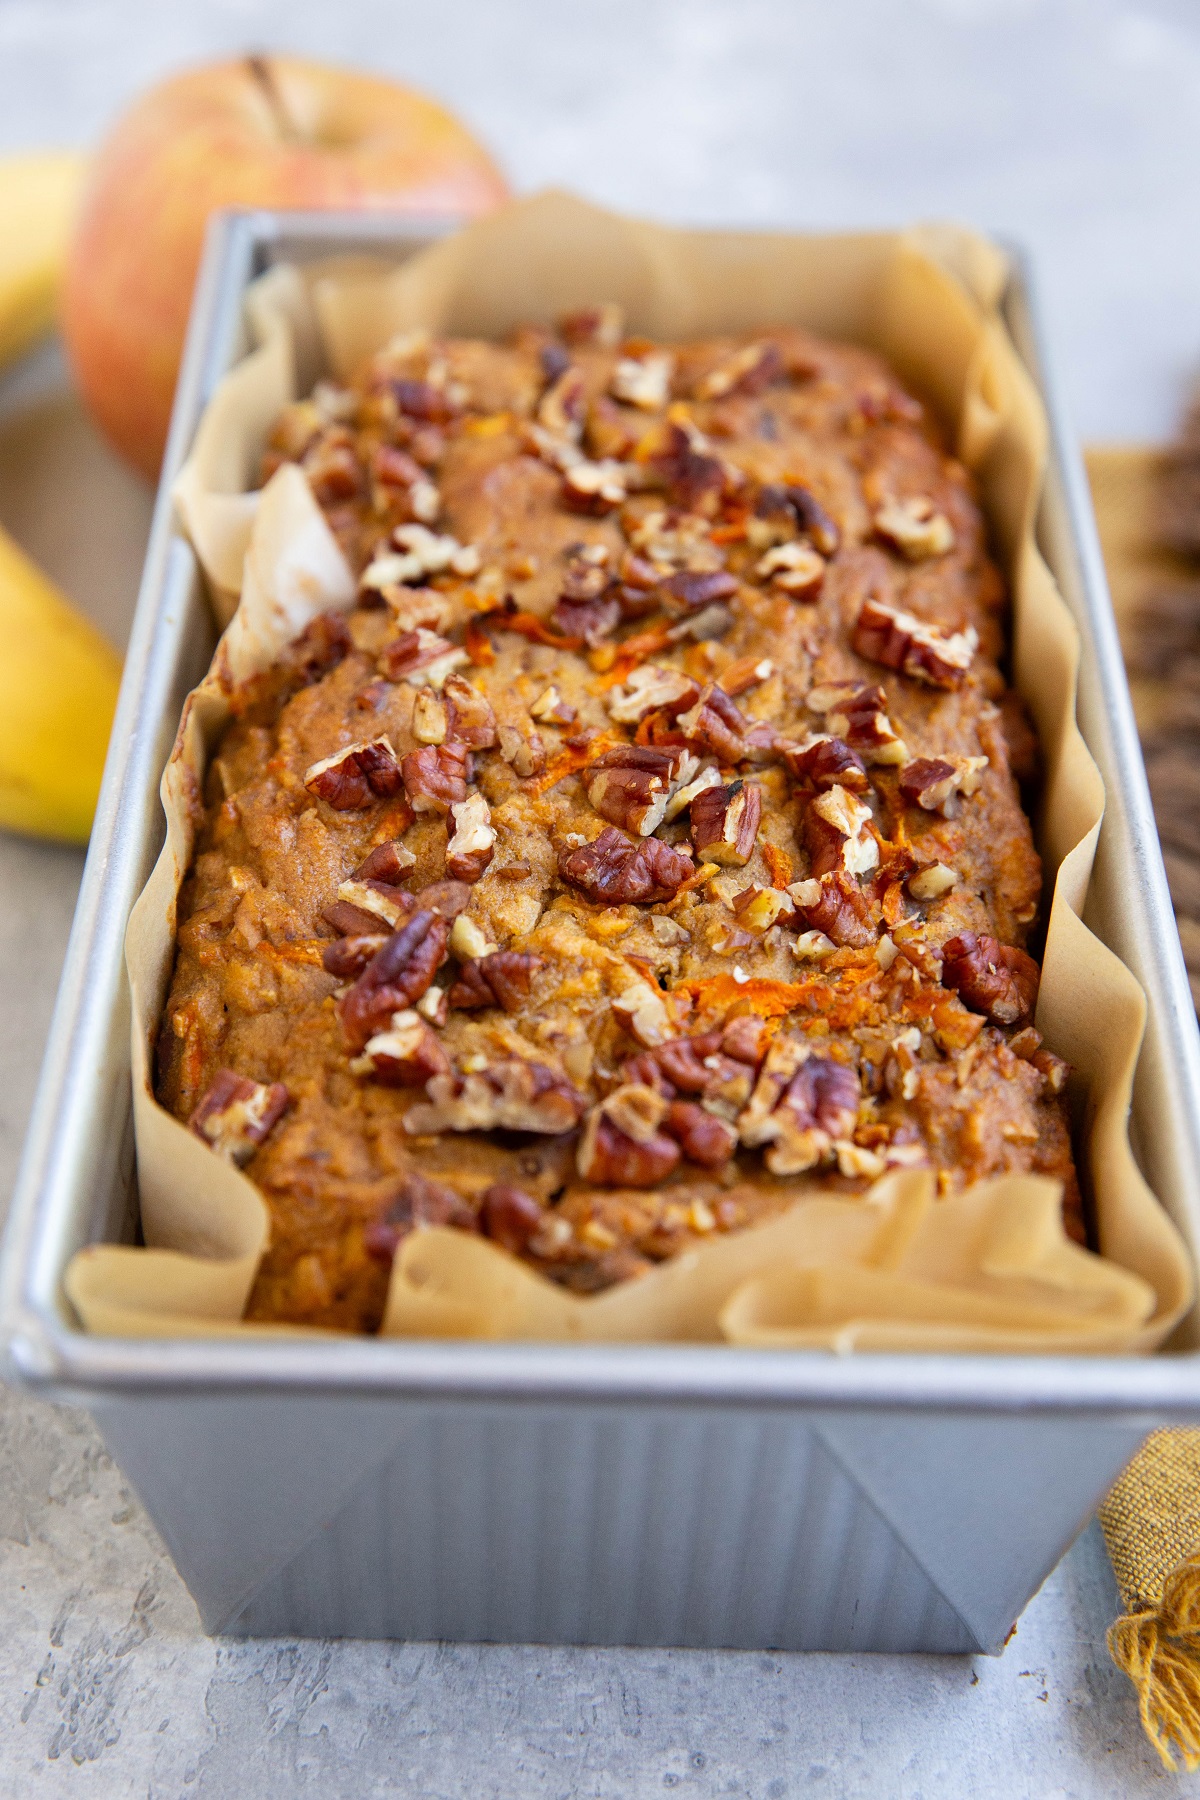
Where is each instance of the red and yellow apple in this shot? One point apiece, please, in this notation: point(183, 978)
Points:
point(270, 132)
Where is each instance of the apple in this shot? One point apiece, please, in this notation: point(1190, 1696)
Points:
point(270, 132)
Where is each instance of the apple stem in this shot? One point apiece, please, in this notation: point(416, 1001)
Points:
point(260, 71)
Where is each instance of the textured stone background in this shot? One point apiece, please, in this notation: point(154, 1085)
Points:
point(1072, 124)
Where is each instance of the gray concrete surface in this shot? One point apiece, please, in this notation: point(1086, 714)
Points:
point(1071, 123)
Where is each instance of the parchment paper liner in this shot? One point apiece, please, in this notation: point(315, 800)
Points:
point(990, 1269)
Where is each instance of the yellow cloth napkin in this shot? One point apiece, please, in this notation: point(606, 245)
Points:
point(1151, 1519)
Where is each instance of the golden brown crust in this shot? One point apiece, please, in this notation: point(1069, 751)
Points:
point(683, 666)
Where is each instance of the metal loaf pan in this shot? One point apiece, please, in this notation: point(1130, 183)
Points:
point(663, 1494)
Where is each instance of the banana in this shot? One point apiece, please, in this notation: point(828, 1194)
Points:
point(38, 197)
point(58, 689)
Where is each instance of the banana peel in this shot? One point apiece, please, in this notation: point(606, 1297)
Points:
point(58, 691)
point(38, 197)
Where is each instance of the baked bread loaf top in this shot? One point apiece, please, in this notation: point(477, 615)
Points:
point(648, 839)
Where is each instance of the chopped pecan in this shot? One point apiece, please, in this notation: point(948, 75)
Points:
point(561, 408)
point(652, 689)
point(596, 487)
point(510, 1216)
point(641, 1011)
point(747, 371)
point(501, 979)
point(621, 1145)
point(632, 784)
point(759, 908)
point(524, 751)
point(321, 646)
point(837, 832)
point(716, 724)
point(858, 714)
point(587, 572)
point(931, 882)
point(724, 823)
point(551, 709)
point(899, 640)
point(692, 589)
point(416, 1201)
point(350, 778)
point(419, 553)
point(692, 479)
point(643, 381)
point(352, 921)
point(612, 871)
point(591, 621)
point(745, 673)
point(446, 898)
point(332, 467)
point(435, 778)
point(235, 1114)
point(509, 1095)
point(796, 568)
point(1028, 1045)
point(469, 716)
point(915, 528)
point(347, 957)
point(471, 847)
point(405, 1055)
point(422, 658)
point(387, 862)
point(395, 978)
point(682, 797)
point(802, 1106)
point(598, 325)
point(824, 762)
point(995, 979)
point(468, 940)
point(717, 1065)
point(379, 898)
point(554, 361)
point(835, 906)
point(703, 1138)
point(428, 718)
point(935, 783)
point(805, 509)
point(422, 400)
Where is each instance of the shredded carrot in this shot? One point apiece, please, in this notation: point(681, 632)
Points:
point(769, 999)
point(528, 625)
point(478, 644)
point(731, 533)
point(572, 759)
point(779, 865)
point(633, 651)
point(742, 674)
point(305, 950)
point(396, 819)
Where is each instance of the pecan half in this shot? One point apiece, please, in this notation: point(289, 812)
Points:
point(435, 778)
point(717, 1066)
point(351, 778)
point(471, 847)
point(805, 509)
point(899, 640)
point(621, 1145)
point(823, 762)
point(405, 1055)
point(501, 979)
point(469, 716)
point(693, 480)
point(652, 689)
point(509, 1095)
point(510, 1216)
point(858, 714)
point(446, 898)
point(801, 1107)
point(416, 1201)
point(613, 871)
point(724, 823)
point(717, 725)
point(394, 978)
point(915, 528)
point(935, 783)
point(703, 1138)
point(835, 906)
point(631, 785)
point(837, 833)
point(692, 589)
point(235, 1114)
point(421, 658)
point(995, 979)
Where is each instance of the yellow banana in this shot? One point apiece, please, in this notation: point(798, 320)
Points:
point(58, 689)
point(38, 196)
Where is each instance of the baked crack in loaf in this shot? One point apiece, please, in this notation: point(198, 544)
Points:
point(645, 843)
